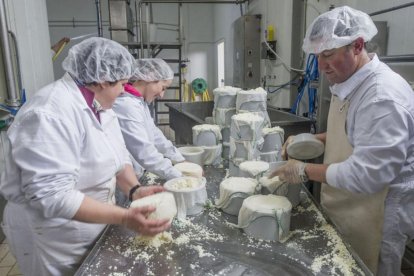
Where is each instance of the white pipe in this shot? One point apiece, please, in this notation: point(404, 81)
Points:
point(12, 93)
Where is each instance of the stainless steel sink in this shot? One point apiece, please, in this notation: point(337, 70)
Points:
point(183, 116)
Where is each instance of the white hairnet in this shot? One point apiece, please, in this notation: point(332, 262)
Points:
point(98, 60)
point(337, 28)
point(152, 69)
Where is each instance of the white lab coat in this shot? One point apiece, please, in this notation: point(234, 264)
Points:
point(380, 127)
point(60, 152)
point(146, 143)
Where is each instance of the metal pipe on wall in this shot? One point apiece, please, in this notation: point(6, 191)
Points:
point(148, 37)
point(141, 31)
point(397, 58)
point(392, 9)
point(180, 24)
point(19, 71)
point(77, 26)
point(136, 22)
point(99, 17)
point(298, 29)
point(74, 21)
point(12, 93)
point(195, 2)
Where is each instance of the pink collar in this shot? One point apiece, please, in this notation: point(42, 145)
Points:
point(131, 90)
point(89, 96)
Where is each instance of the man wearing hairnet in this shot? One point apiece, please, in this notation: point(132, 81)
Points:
point(150, 149)
point(369, 144)
point(67, 154)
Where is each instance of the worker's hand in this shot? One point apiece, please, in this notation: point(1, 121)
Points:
point(144, 191)
point(293, 172)
point(137, 220)
point(285, 145)
point(321, 137)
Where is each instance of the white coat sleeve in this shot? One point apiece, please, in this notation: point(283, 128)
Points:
point(134, 121)
point(47, 151)
point(381, 140)
point(117, 133)
point(165, 146)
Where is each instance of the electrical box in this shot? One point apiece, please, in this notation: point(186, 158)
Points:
point(266, 52)
point(246, 56)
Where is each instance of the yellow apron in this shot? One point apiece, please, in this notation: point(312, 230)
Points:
point(358, 217)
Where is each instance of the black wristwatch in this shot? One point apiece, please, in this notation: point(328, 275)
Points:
point(132, 191)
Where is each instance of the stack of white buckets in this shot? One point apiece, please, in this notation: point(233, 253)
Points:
point(241, 115)
point(208, 137)
point(273, 139)
point(224, 108)
point(245, 140)
point(253, 101)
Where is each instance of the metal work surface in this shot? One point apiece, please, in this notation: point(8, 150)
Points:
point(291, 123)
point(207, 244)
point(183, 116)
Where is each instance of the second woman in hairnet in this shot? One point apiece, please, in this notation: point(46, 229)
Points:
point(67, 154)
point(150, 149)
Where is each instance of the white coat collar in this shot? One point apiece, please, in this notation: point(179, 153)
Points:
point(73, 88)
point(343, 89)
point(80, 100)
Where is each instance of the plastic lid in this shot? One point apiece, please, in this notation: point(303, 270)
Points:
point(305, 146)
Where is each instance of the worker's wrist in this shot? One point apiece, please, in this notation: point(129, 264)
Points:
point(132, 191)
point(124, 218)
point(303, 175)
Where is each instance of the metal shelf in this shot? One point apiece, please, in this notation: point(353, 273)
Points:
point(153, 49)
point(137, 45)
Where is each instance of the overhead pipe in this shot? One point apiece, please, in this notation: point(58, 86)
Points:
point(194, 2)
point(99, 17)
point(392, 9)
point(75, 20)
point(76, 26)
point(12, 93)
point(397, 58)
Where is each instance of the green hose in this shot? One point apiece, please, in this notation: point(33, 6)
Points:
point(199, 85)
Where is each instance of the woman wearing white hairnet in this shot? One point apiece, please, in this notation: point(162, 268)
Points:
point(67, 154)
point(150, 149)
point(369, 144)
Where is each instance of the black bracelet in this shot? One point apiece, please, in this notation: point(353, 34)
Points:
point(132, 191)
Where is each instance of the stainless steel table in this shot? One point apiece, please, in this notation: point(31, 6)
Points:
point(207, 244)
